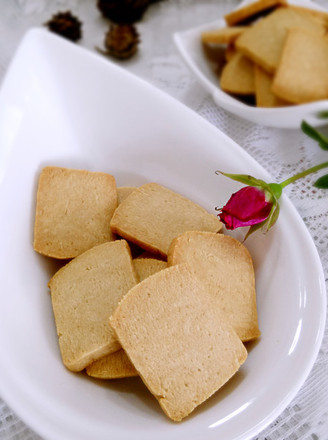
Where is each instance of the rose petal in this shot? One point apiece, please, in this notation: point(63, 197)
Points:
point(246, 207)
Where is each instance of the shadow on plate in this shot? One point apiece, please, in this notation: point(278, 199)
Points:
point(127, 387)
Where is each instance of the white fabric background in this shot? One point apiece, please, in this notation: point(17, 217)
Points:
point(281, 152)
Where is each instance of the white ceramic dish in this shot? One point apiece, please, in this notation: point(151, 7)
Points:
point(190, 47)
point(63, 105)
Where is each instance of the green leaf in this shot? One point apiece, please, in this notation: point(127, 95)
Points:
point(323, 114)
point(322, 182)
point(273, 217)
point(315, 134)
point(253, 228)
point(246, 179)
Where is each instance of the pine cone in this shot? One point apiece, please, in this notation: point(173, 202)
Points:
point(123, 11)
point(121, 41)
point(66, 25)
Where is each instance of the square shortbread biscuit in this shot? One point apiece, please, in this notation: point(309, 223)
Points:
point(145, 267)
point(263, 90)
point(225, 267)
point(304, 52)
point(252, 11)
point(177, 339)
point(123, 192)
point(152, 215)
point(84, 295)
point(73, 211)
point(238, 75)
point(225, 35)
point(264, 41)
point(322, 16)
point(112, 366)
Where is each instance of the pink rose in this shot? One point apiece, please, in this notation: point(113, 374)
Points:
point(248, 206)
point(257, 204)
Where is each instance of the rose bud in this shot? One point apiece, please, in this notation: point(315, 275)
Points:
point(257, 204)
point(246, 207)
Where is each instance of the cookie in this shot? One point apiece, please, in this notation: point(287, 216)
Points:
point(153, 215)
point(225, 267)
point(73, 211)
point(264, 41)
point(304, 52)
point(177, 339)
point(237, 76)
point(84, 294)
point(252, 11)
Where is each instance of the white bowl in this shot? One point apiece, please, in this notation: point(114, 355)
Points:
point(63, 105)
point(190, 47)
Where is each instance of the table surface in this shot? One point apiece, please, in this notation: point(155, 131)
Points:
point(281, 152)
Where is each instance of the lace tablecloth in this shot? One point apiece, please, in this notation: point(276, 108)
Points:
point(281, 152)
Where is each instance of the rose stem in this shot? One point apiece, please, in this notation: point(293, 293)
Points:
point(303, 174)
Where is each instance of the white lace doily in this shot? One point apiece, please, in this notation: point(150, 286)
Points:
point(281, 152)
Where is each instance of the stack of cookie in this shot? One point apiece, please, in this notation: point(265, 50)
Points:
point(176, 314)
point(275, 52)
